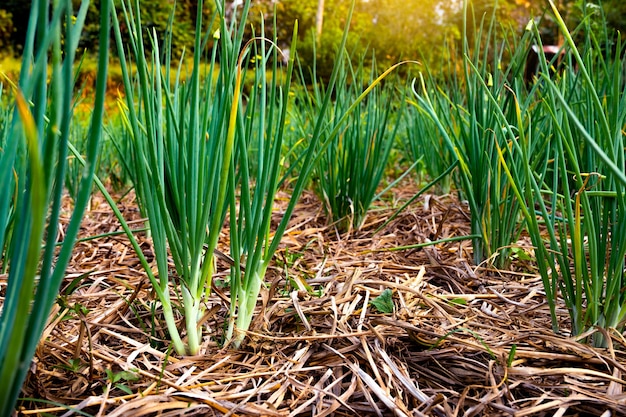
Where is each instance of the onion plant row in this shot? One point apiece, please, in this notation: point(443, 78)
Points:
point(582, 200)
point(546, 155)
point(33, 164)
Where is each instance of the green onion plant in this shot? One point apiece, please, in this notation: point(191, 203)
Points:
point(349, 171)
point(578, 229)
point(425, 144)
point(33, 163)
point(422, 140)
point(202, 156)
point(181, 154)
point(6, 225)
point(254, 180)
point(461, 115)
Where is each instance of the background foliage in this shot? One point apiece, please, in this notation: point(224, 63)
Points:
point(394, 29)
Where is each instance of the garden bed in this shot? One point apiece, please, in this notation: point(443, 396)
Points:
point(461, 340)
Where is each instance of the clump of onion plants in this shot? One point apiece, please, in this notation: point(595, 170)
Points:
point(580, 196)
point(430, 152)
point(349, 170)
point(33, 165)
point(423, 142)
point(200, 157)
point(182, 130)
point(461, 116)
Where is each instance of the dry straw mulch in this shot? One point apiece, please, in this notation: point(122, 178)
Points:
point(318, 347)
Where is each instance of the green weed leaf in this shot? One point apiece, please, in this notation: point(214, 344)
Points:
point(384, 302)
